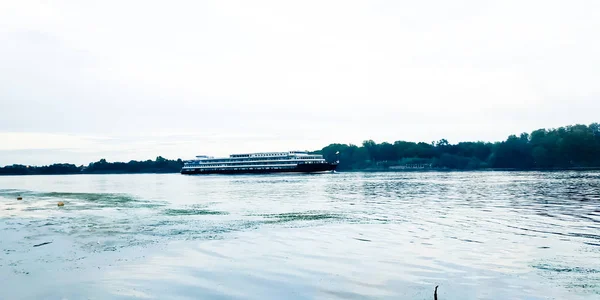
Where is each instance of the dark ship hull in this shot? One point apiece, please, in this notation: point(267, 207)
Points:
point(300, 168)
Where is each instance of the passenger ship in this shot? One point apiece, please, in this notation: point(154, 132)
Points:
point(265, 162)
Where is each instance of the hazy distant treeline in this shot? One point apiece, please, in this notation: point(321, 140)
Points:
point(160, 165)
point(576, 146)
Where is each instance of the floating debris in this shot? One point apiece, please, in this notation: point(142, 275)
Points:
point(60, 203)
point(42, 244)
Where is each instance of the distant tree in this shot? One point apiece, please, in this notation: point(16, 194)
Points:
point(372, 149)
point(570, 146)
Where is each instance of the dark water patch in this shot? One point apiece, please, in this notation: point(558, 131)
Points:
point(471, 241)
point(154, 227)
point(362, 240)
point(36, 208)
point(565, 269)
point(381, 220)
point(192, 212)
point(108, 199)
point(42, 244)
point(192, 229)
point(93, 199)
point(268, 179)
point(301, 216)
point(68, 207)
point(538, 231)
point(585, 235)
point(584, 286)
point(10, 193)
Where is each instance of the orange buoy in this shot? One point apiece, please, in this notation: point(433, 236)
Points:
point(61, 203)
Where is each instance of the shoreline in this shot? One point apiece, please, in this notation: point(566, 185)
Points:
point(478, 170)
point(368, 170)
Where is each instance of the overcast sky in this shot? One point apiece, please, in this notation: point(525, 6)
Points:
point(84, 80)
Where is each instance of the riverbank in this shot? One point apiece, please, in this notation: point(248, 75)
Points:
point(475, 170)
point(367, 170)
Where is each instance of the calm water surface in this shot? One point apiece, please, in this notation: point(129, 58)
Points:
point(479, 235)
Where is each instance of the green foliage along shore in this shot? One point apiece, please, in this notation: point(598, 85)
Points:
point(576, 146)
point(160, 165)
point(569, 147)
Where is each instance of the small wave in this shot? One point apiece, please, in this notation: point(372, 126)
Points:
point(192, 212)
point(92, 197)
point(564, 269)
point(10, 191)
point(362, 240)
point(300, 216)
point(13, 193)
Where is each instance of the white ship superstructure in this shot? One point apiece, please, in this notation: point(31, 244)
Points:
point(263, 162)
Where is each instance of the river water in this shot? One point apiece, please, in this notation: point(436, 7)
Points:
point(478, 235)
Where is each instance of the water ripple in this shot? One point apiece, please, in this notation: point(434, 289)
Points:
point(479, 235)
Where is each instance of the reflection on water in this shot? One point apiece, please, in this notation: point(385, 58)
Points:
point(479, 235)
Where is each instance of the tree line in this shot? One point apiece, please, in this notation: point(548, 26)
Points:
point(576, 146)
point(160, 165)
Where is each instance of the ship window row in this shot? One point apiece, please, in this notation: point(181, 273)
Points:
point(269, 154)
point(270, 159)
point(260, 154)
point(266, 154)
